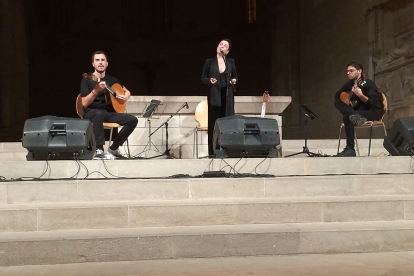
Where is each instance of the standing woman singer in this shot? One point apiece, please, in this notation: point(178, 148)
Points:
point(220, 74)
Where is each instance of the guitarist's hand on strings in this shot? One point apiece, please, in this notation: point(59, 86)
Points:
point(98, 87)
point(358, 92)
point(121, 98)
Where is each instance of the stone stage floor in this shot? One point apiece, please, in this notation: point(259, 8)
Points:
point(351, 264)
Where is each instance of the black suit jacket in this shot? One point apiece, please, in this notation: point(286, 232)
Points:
point(211, 70)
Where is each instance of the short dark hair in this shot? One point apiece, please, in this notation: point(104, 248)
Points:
point(97, 53)
point(356, 65)
point(228, 40)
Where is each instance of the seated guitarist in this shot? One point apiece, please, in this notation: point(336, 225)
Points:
point(366, 105)
point(95, 108)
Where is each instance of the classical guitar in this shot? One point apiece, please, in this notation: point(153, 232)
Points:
point(349, 98)
point(265, 100)
point(112, 103)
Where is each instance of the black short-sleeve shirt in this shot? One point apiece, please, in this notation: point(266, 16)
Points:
point(87, 86)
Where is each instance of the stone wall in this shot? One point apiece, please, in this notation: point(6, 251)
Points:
point(392, 38)
point(325, 35)
point(296, 48)
point(154, 48)
point(14, 69)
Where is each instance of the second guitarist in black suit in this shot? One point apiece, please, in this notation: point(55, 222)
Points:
point(367, 107)
point(220, 74)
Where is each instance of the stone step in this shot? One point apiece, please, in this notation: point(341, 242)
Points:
point(169, 167)
point(329, 144)
point(13, 156)
point(111, 245)
point(375, 152)
point(346, 264)
point(15, 151)
point(12, 147)
point(104, 215)
point(288, 144)
point(24, 192)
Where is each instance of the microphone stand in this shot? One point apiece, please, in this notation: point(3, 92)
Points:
point(167, 150)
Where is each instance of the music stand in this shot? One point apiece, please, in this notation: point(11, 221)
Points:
point(309, 114)
point(148, 112)
point(167, 150)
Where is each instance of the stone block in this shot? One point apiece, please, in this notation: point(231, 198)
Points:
point(13, 156)
point(140, 137)
point(242, 244)
point(34, 169)
point(339, 165)
point(279, 166)
point(397, 240)
point(363, 211)
point(84, 250)
point(409, 210)
point(174, 122)
point(236, 188)
point(339, 241)
point(397, 164)
point(309, 186)
point(95, 169)
point(18, 220)
point(384, 185)
point(3, 193)
point(12, 147)
point(188, 121)
point(224, 214)
point(99, 217)
point(181, 136)
point(121, 190)
point(51, 191)
point(159, 167)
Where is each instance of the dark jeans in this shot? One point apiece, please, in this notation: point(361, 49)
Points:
point(98, 116)
point(346, 110)
point(214, 113)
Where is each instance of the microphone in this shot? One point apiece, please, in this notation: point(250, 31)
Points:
point(222, 52)
point(186, 105)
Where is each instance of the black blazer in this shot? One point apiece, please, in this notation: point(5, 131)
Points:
point(211, 70)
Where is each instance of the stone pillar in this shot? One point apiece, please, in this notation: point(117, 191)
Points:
point(14, 69)
point(286, 58)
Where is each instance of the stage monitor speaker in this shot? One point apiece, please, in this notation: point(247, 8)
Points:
point(58, 138)
point(239, 136)
point(400, 139)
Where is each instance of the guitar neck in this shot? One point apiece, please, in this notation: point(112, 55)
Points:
point(110, 90)
point(350, 95)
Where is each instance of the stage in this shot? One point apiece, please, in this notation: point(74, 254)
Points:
point(60, 212)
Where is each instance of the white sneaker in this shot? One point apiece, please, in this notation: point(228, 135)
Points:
point(100, 155)
point(115, 153)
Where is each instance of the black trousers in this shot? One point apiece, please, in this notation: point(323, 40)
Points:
point(98, 116)
point(346, 110)
point(214, 113)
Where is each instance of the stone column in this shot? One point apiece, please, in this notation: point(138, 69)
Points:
point(14, 69)
point(285, 58)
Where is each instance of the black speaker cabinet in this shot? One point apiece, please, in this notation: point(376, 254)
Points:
point(58, 138)
point(239, 136)
point(400, 139)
